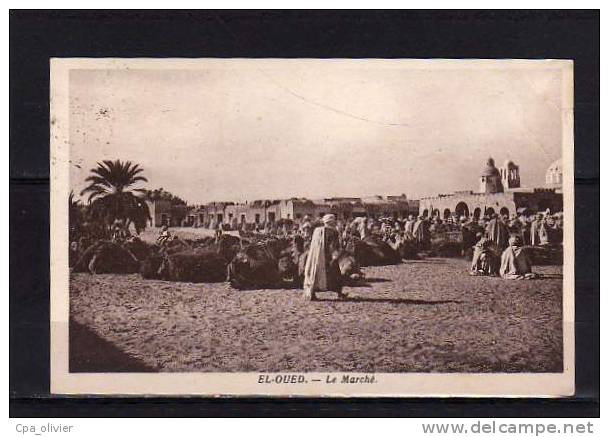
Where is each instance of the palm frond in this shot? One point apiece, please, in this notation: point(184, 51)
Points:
point(111, 197)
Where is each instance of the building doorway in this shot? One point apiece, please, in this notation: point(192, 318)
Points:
point(462, 210)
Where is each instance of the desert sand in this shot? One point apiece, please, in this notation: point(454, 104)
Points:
point(420, 316)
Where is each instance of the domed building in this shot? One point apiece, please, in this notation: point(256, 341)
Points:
point(554, 174)
point(499, 193)
point(490, 178)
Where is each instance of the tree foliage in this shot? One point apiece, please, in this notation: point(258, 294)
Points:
point(112, 197)
point(75, 215)
point(161, 194)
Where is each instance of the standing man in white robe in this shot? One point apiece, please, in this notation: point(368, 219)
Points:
point(322, 272)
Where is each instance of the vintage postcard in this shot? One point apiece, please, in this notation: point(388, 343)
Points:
point(312, 227)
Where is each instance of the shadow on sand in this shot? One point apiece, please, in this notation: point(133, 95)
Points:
point(424, 261)
point(91, 353)
point(372, 280)
point(389, 300)
point(550, 276)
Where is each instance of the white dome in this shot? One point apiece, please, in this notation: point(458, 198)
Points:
point(554, 173)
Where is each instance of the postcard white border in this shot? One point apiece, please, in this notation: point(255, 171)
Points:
point(246, 384)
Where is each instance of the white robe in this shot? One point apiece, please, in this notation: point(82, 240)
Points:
point(315, 278)
point(514, 263)
point(409, 227)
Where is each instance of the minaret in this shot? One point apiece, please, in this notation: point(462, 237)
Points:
point(510, 175)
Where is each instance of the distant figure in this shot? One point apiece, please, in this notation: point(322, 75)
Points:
point(437, 227)
point(515, 226)
point(468, 235)
point(556, 229)
point(322, 272)
point(385, 230)
point(73, 254)
point(306, 231)
point(484, 262)
point(119, 233)
point(164, 235)
point(543, 231)
point(515, 264)
point(525, 227)
point(420, 231)
point(539, 233)
point(359, 227)
point(497, 232)
point(409, 225)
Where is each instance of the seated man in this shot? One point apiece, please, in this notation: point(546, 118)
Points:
point(515, 264)
point(164, 236)
point(395, 240)
point(484, 261)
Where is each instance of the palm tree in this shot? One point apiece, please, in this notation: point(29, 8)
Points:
point(73, 203)
point(111, 195)
point(74, 209)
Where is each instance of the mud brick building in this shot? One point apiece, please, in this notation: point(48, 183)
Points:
point(499, 192)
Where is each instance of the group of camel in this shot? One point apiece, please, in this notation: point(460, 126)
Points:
point(256, 261)
point(244, 262)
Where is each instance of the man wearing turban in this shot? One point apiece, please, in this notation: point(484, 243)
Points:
point(420, 231)
point(322, 272)
point(539, 233)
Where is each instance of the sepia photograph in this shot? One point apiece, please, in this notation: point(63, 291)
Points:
point(312, 227)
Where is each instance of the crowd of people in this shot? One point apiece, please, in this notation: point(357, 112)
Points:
point(533, 229)
point(497, 241)
point(494, 242)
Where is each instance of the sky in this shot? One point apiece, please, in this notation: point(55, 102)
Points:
point(239, 130)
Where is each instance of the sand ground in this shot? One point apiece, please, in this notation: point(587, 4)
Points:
point(420, 316)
